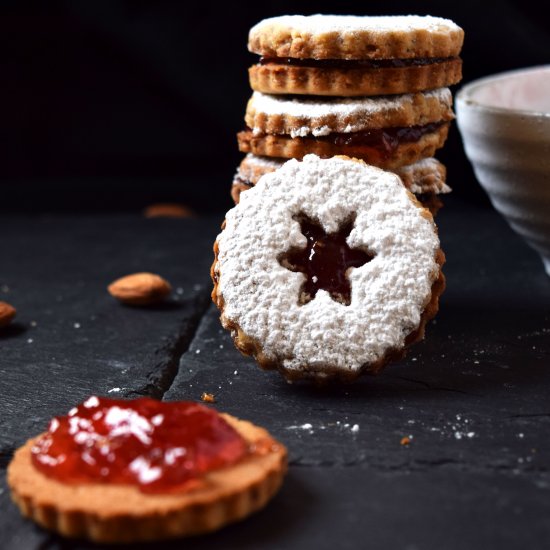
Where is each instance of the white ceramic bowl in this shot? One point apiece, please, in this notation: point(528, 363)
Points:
point(504, 121)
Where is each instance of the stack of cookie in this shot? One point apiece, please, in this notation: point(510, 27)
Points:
point(373, 88)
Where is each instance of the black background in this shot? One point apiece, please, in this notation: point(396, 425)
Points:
point(113, 105)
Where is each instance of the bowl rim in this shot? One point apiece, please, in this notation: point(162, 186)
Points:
point(464, 93)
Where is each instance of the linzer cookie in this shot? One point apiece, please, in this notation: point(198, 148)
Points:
point(387, 132)
point(343, 55)
point(425, 178)
point(142, 470)
point(342, 279)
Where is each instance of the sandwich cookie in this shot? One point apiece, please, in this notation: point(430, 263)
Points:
point(387, 132)
point(343, 55)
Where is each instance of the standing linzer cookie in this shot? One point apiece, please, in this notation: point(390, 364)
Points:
point(343, 55)
point(327, 268)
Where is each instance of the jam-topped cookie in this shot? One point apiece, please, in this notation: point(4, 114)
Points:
point(387, 132)
point(327, 268)
point(344, 55)
point(425, 178)
point(138, 470)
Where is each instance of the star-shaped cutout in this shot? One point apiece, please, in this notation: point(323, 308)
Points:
point(324, 261)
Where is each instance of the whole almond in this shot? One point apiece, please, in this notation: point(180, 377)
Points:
point(140, 289)
point(7, 313)
point(168, 210)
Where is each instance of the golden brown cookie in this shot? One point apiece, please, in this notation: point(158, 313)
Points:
point(387, 132)
point(120, 513)
point(348, 78)
point(319, 117)
point(343, 278)
point(356, 37)
point(354, 55)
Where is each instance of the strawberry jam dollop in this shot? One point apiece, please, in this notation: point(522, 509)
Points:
point(157, 446)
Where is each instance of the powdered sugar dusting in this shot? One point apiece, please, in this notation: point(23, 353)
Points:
point(388, 293)
point(320, 24)
point(360, 109)
point(304, 131)
point(415, 171)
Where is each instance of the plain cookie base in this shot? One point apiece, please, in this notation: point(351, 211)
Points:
point(123, 514)
point(283, 146)
point(274, 78)
point(328, 373)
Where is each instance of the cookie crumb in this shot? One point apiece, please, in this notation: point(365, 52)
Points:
point(208, 397)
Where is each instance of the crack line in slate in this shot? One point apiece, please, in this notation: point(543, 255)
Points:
point(420, 466)
point(415, 464)
point(337, 411)
point(162, 377)
point(427, 385)
point(530, 415)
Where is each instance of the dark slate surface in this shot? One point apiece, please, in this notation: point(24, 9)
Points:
point(474, 396)
point(71, 338)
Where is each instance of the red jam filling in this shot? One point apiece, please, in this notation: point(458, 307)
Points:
point(354, 63)
point(325, 261)
point(384, 140)
point(157, 446)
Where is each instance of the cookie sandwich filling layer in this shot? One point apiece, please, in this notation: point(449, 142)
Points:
point(346, 64)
